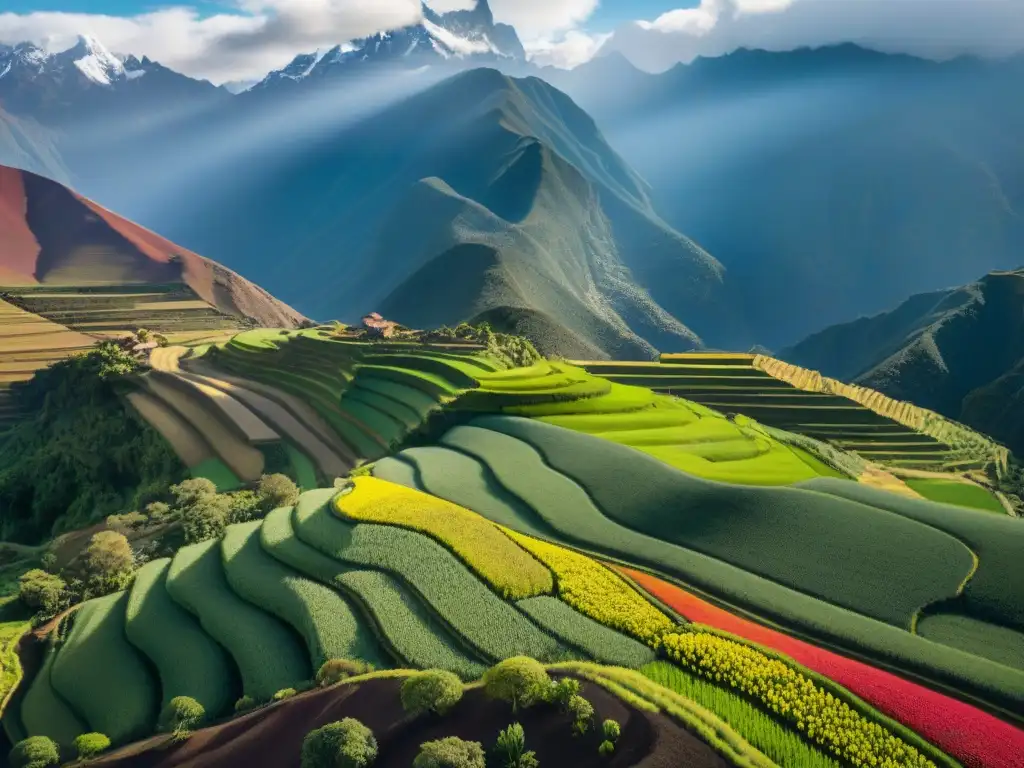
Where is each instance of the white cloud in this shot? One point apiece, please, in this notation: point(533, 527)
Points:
point(265, 34)
point(934, 28)
point(538, 19)
point(570, 50)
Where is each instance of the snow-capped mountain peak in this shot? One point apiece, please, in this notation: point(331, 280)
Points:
point(458, 35)
point(94, 61)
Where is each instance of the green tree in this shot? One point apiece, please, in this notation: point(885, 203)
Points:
point(582, 712)
point(451, 752)
point(334, 671)
point(562, 690)
point(521, 681)
point(606, 748)
point(42, 591)
point(434, 691)
point(89, 745)
point(107, 564)
point(277, 491)
point(158, 511)
point(511, 746)
point(206, 518)
point(611, 730)
point(345, 744)
point(181, 715)
point(35, 752)
point(187, 492)
point(245, 704)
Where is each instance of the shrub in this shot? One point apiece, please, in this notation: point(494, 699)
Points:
point(277, 491)
point(89, 745)
point(345, 744)
point(511, 745)
point(521, 681)
point(188, 492)
point(451, 752)
point(335, 670)
point(48, 562)
point(561, 691)
point(41, 591)
point(246, 704)
point(582, 712)
point(245, 506)
point(432, 691)
point(158, 510)
point(606, 748)
point(611, 729)
point(181, 715)
point(35, 752)
point(285, 693)
point(107, 564)
point(205, 518)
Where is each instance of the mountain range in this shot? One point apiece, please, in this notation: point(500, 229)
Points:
point(745, 200)
point(959, 352)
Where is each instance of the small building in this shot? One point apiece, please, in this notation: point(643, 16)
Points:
point(376, 325)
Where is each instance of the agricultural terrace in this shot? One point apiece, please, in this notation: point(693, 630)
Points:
point(724, 540)
point(852, 419)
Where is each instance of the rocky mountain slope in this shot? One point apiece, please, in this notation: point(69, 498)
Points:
point(959, 352)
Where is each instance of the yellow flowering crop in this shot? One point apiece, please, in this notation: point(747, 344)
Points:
point(595, 591)
point(824, 719)
point(477, 542)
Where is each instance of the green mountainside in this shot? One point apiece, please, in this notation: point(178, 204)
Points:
point(958, 352)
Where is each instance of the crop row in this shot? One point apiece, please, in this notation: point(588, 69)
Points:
point(795, 698)
point(406, 627)
point(974, 737)
point(594, 638)
point(624, 482)
point(478, 543)
point(784, 745)
point(102, 676)
point(268, 654)
point(492, 626)
point(166, 633)
point(596, 591)
point(330, 626)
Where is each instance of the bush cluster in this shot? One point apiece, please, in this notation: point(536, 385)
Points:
point(434, 691)
point(35, 752)
point(333, 671)
point(521, 681)
point(181, 715)
point(450, 752)
point(344, 744)
point(89, 745)
point(511, 746)
point(205, 513)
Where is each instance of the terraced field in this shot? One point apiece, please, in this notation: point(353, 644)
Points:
point(732, 384)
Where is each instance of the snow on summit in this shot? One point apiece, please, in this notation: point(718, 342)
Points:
point(94, 61)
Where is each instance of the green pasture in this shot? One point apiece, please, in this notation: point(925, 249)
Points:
point(101, 675)
point(218, 473)
point(166, 633)
point(490, 625)
point(601, 643)
point(269, 654)
point(783, 745)
point(330, 625)
point(406, 627)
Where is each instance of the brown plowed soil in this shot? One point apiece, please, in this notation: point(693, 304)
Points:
point(272, 737)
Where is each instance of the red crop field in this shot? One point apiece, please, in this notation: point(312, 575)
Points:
point(975, 738)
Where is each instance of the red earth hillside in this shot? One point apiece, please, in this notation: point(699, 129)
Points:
point(50, 235)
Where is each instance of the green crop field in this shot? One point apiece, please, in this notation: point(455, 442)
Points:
point(421, 403)
point(104, 679)
point(781, 744)
point(609, 470)
point(405, 625)
point(993, 592)
point(462, 480)
point(992, 641)
point(596, 640)
point(331, 626)
point(43, 712)
point(740, 525)
point(377, 424)
point(478, 543)
point(269, 655)
point(487, 623)
point(166, 633)
point(953, 492)
point(404, 415)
